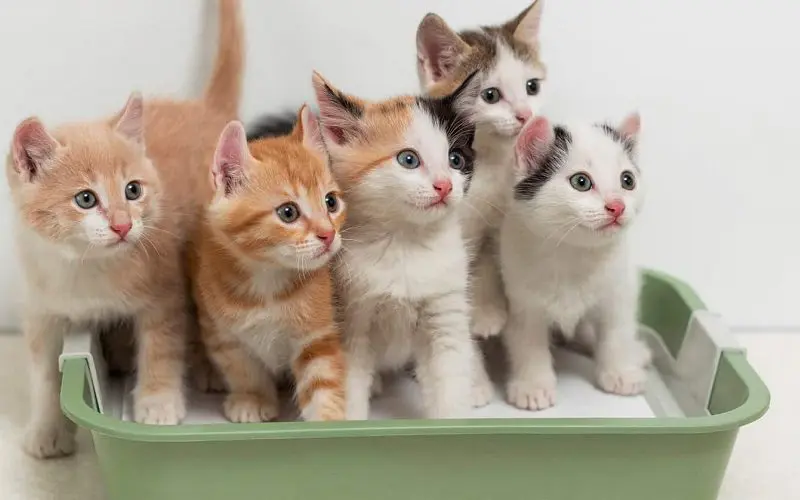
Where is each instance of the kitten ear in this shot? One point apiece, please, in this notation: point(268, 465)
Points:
point(630, 127)
point(130, 121)
point(340, 114)
point(439, 49)
point(525, 27)
point(31, 148)
point(308, 130)
point(466, 94)
point(230, 158)
point(533, 144)
point(629, 130)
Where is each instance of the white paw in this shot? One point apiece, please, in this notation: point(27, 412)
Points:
point(376, 389)
point(250, 408)
point(161, 408)
point(482, 392)
point(488, 321)
point(532, 395)
point(49, 440)
point(625, 382)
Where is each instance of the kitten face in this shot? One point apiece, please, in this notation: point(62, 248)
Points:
point(506, 56)
point(579, 185)
point(279, 204)
point(407, 158)
point(88, 188)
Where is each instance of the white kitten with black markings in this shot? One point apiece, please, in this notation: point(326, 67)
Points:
point(507, 57)
point(564, 255)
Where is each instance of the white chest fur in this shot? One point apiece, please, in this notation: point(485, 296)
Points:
point(397, 268)
point(561, 281)
point(71, 287)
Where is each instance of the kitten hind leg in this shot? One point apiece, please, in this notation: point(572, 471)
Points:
point(252, 394)
point(489, 306)
point(532, 382)
point(319, 372)
point(49, 433)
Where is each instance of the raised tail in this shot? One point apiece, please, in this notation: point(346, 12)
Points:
point(224, 91)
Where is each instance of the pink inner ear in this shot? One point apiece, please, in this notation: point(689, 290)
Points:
point(438, 46)
point(312, 138)
point(535, 138)
point(229, 159)
point(32, 145)
point(131, 121)
point(631, 126)
point(335, 119)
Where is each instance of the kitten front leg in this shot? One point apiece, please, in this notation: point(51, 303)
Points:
point(446, 357)
point(49, 433)
point(488, 300)
point(621, 357)
point(161, 341)
point(360, 359)
point(319, 372)
point(252, 395)
point(532, 382)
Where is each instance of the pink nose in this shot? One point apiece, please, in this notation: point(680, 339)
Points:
point(615, 208)
point(443, 188)
point(121, 229)
point(326, 237)
point(523, 116)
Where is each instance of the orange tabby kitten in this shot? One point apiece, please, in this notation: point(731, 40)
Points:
point(260, 273)
point(103, 209)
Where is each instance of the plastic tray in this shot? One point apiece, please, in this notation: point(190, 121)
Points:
point(672, 443)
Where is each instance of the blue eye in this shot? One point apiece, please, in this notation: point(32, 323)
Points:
point(86, 199)
point(408, 158)
point(288, 212)
point(627, 180)
point(581, 182)
point(133, 191)
point(491, 95)
point(457, 160)
point(533, 85)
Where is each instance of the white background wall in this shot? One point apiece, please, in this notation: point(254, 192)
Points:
point(715, 80)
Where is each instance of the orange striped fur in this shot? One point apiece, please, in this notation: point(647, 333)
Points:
point(262, 285)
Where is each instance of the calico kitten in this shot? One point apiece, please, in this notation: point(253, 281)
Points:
point(507, 56)
point(103, 208)
point(564, 254)
point(404, 164)
point(260, 275)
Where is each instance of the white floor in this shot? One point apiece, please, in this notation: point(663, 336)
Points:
point(764, 464)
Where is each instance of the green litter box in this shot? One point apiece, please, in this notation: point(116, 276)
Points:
point(672, 443)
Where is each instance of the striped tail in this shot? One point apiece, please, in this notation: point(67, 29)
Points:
point(319, 371)
point(224, 91)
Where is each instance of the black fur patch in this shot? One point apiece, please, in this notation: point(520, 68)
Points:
point(460, 131)
point(272, 126)
point(527, 188)
point(627, 144)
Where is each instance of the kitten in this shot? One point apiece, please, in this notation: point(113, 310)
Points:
point(103, 208)
point(507, 56)
point(260, 275)
point(564, 255)
point(404, 164)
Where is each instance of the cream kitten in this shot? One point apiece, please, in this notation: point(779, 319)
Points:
point(564, 255)
point(404, 165)
point(507, 56)
point(103, 209)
